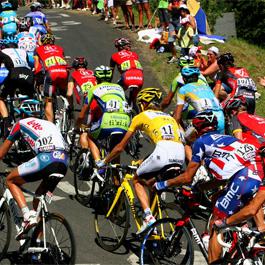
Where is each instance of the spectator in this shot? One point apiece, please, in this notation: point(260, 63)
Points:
point(212, 67)
point(127, 10)
point(113, 8)
point(174, 27)
point(163, 14)
point(143, 5)
point(199, 61)
point(185, 36)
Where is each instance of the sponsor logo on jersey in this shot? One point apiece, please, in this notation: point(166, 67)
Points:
point(44, 157)
point(58, 155)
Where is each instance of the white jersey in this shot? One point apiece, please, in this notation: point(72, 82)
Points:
point(18, 57)
point(41, 135)
point(27, 41)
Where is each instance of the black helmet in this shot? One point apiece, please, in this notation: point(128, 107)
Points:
point(79, 62)
point(226, 59)
point(35, 6)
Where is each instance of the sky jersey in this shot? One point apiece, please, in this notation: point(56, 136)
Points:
point(199, 96)
point(157, 125)
point(109, 96)
point(14, 58)
point(126, 60)
point(41, 135)
point(223, 155)
point(9, 22)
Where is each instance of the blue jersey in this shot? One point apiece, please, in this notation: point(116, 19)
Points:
point(199, 96)
point(223, 155)
point(9, 22)
point(38, 21)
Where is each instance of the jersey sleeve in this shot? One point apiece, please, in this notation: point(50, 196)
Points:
point(174, 85)
point(136, 123)
point(15, 133)
point(198, 151)
point(181, 96)
point(235, 125)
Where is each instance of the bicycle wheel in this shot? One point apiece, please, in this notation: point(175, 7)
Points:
point(111, 231)
point(82, 172)
point(165, 243)
point(5, 230)
point(59, 238)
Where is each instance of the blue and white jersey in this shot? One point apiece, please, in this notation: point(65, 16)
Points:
point(38, 21)
point(223, 155)
point(9, 22)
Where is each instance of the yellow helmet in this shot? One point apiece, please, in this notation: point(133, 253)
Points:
point(151, 95)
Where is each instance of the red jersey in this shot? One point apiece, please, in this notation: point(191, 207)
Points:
point(83, 79)
point(125, 60)
point(51, 56)
point(236, 78)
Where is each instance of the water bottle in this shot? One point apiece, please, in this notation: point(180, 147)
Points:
point(248, 262)
point(205, 239)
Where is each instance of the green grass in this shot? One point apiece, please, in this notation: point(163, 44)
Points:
point(246, 55)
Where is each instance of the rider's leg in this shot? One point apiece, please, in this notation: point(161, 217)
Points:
point(141, 193)
point(49, 109)
point(3, 109)
point(84, 140)
point(93, 148)
point(259, 220)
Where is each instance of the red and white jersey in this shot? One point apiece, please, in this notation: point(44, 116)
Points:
point(41, 135)
point(126, 60)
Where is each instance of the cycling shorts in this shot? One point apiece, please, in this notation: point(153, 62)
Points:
point(21, 78)
point(165, 153)
point(241, 189)
point(43, 165)
point(109, 123)
point(132, 77)
point(55, 78)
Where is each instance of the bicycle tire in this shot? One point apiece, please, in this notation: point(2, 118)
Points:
point(64, 255)
point(83, 184)
point(175, 245)
point(111, 232)
point(5, 237)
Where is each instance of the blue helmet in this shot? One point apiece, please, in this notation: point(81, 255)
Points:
point(6, 6)
point(189, 71)
point(31, 107)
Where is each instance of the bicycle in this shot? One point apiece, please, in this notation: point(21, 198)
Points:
point(51, 240)
point(169, 240)
point(112, 216)
point(240, 245)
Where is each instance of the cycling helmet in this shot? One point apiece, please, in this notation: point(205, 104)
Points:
point(6, 6)
point(23, 25)
point(234, 104)
point(205, 121)
point(151, 96)
point(122, 42)
point(186, 61)
point(35, 6)
point(190, 71)
point(47, 39)
point(31, 107)
point(103, 73)
point(226, 59)
point(79, 62)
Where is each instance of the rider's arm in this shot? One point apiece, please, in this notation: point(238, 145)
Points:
point(217, 88)
point(236, 127)
point(82, 115)
point(70, 91)
point(36, 62)
point(119, 147)
point(167, 100)
point(248, 211)
point(178, 112)
point(112, 64)
point(4, 148)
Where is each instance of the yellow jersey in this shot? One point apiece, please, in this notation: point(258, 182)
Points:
point(157, 125)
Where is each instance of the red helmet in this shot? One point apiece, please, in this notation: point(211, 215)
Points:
point(234, 103)
point(79, 62)
point(205, 121)
point(122, 42)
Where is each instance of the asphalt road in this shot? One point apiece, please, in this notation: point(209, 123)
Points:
point(83, 35)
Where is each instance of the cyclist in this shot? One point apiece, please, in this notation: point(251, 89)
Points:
point(246, 127)
point(49, 58)
point(179, 82)
point(129, 67)
point(8, 20)
point(200, 96)
point(51, 158)
point(38, 19)
point(164, 133)
point(114, 107)
point(26, 40)
point(234, 81)
point(80, 82)
point(20, 76)
point(229, 160)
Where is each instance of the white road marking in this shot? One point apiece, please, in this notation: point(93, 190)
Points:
point(133, 259)
point(66, 187)
point(71, 23)
point(64, 15)
point(60, 28)
point(53, 24)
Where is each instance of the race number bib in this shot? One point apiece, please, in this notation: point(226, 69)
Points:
point(246, 151)
point(113, 106)
point(167, 132)
point(54, 60)
point(86, 87)
point(45, 144)
point(246, 82)
point(128, 65)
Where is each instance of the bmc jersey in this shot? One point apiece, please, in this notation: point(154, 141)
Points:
point(41, 135)
point(236, 78)
point(109, 96)
point(199, 96)
point(157, 125)
point(14, 58)
point(126, 60)
point(51, 56)
point(224, 155)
